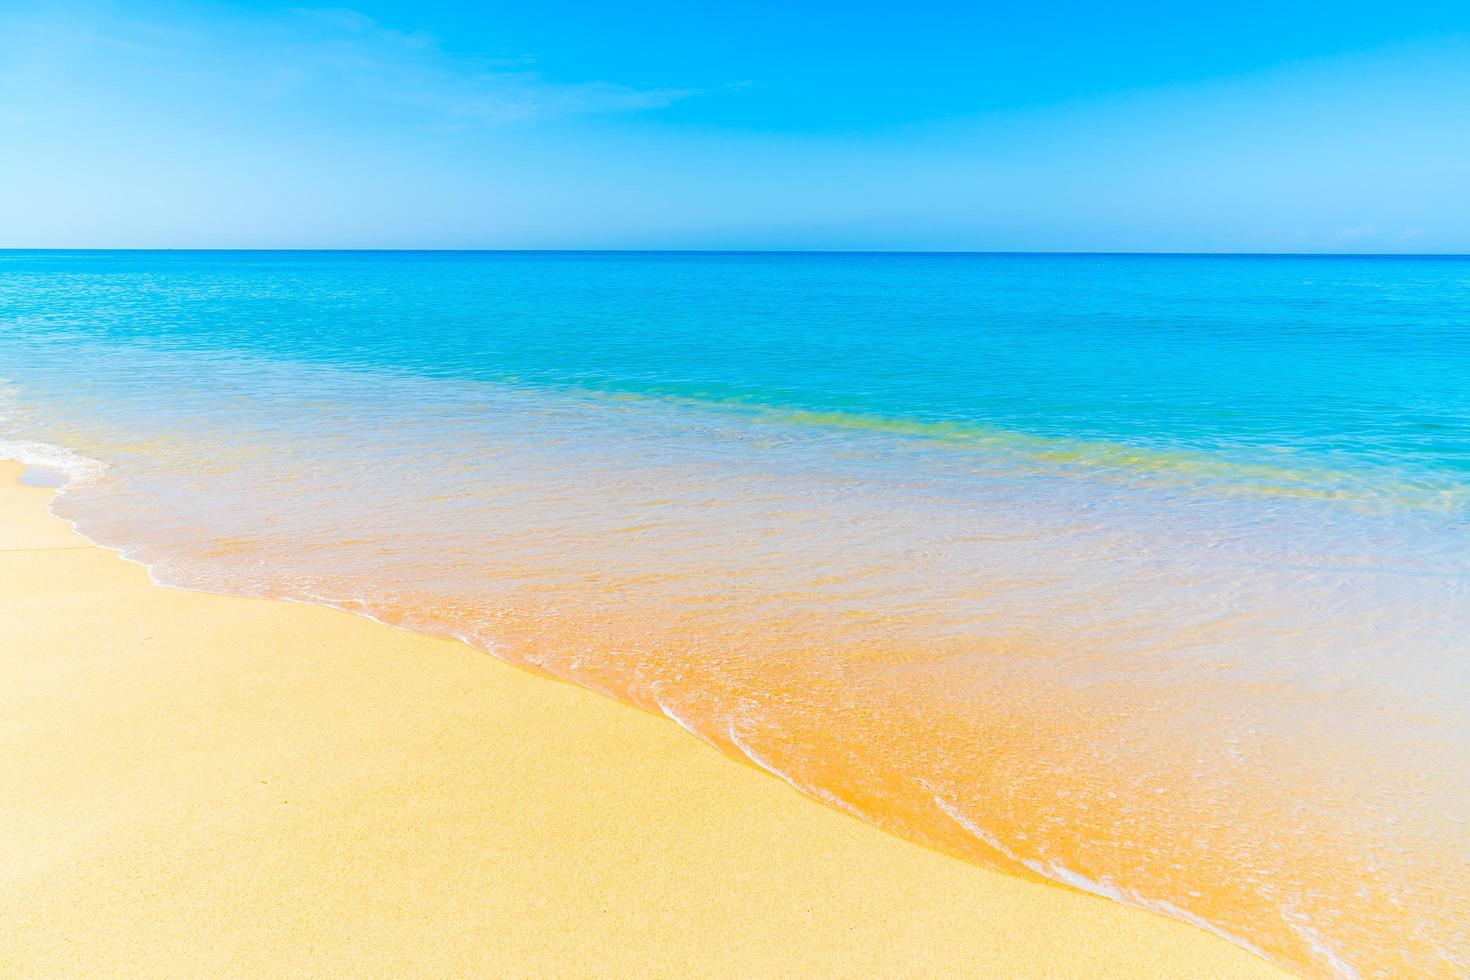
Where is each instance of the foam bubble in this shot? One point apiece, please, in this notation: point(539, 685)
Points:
point(57, 465)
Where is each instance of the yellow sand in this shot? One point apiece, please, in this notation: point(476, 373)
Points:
point(193, 785)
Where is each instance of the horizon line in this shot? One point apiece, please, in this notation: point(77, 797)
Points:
point(753, 251)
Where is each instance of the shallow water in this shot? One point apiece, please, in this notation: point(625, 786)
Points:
point(1146, 574)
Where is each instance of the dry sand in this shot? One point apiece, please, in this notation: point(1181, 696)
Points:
point(195, 785)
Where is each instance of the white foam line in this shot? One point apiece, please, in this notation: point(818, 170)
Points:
point(1108, 890)
point(1319, 944)
point(831, 799)
point(676, 719)
point(77, 469)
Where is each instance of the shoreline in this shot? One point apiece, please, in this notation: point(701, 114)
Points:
point(206, 784)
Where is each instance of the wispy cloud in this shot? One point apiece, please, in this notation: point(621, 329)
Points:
point(342, 56)
point(338, 47)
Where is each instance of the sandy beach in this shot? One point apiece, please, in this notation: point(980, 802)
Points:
point(200, 785)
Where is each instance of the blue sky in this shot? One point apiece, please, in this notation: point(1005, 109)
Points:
point(1049, 126)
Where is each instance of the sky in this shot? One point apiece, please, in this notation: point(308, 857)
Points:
point(1251, 126)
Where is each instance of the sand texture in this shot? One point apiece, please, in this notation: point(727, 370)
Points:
point(197, 785)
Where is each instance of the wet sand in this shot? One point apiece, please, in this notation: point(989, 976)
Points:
point(193, 784)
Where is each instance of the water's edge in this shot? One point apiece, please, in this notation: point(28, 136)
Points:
point(65, 472)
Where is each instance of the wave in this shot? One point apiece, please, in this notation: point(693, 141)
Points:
point(1222, 471)
point(652, 579)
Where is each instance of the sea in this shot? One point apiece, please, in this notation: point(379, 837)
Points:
point(1148, 575)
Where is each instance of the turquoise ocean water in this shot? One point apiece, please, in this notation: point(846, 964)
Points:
point(1147, 574)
